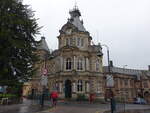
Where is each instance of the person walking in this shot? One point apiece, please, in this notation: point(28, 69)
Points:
point(91, 97)
point(54, 97)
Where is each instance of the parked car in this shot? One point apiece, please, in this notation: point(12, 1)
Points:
point(140, 101)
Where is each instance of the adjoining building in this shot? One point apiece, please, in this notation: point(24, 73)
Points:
point(129, 84)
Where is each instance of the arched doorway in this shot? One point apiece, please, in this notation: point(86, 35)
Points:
point(68, 89)
point(147, 96)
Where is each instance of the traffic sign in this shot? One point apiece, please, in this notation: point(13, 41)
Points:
point(44, 71)
point(109, 81)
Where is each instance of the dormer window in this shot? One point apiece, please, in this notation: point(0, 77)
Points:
point(69, 31)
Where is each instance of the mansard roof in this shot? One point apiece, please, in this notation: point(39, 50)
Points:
point(74, 22)
point(75, 19)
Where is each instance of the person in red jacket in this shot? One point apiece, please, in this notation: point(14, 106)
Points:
point(54, 96)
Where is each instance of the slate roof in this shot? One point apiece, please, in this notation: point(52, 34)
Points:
point(77, 23)
point(43, 45)
point(132, 72)
point(75, 19)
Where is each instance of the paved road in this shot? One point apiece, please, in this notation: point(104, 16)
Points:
point(137, 111)
point(88, 108)
point(69, 107)
point(27, 107)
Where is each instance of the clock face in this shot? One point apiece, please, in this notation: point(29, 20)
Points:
point(68, 31)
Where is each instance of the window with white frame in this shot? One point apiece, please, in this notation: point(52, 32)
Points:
point(78, 41)
point(80, 85)
point(67, 41)
point(97, 65)
point(80, 64)
point(68, 64)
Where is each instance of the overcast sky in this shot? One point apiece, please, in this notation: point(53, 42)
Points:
point(123, 25)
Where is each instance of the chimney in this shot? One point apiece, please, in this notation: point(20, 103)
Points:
point(111, 63)
point(148, 67)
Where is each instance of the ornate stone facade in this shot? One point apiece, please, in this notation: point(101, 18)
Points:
point(76, 66)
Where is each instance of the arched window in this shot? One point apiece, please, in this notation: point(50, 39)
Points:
point(80, 85)
point(68, 64)
point(80, 64)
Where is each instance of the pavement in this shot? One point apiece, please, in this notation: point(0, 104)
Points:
point(30, 106)
point(27, 106)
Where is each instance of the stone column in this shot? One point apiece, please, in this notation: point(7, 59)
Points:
point(74, 62)
point(87, 64)
point(87, 86)
point(73, 87)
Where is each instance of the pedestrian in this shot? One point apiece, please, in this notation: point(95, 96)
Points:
point(91, 98)
point(54, 97)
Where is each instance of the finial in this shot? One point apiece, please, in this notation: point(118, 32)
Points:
point(75, 6)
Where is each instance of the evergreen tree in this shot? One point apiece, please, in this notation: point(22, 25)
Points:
point(18, 28)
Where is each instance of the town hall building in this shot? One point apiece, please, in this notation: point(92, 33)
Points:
point(76, 66)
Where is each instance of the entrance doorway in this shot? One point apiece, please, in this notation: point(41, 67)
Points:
point(147, 96)
point(68, 89)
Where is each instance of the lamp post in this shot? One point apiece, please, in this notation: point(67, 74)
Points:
point(112, 101)
point(124, 91)
point(44, 80)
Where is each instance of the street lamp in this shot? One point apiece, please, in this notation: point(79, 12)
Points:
point(109, 77)
point(44, 80)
